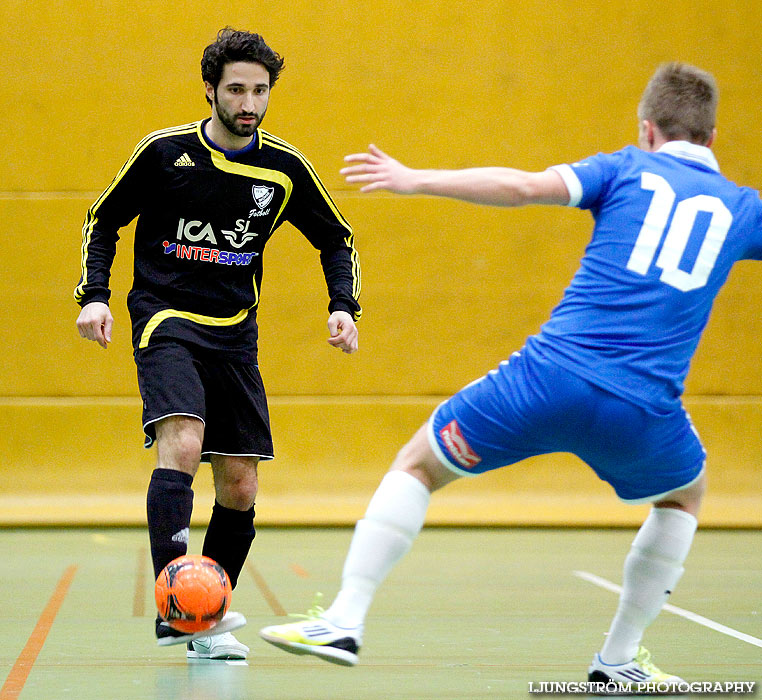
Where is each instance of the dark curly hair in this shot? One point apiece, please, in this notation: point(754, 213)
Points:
point(232, 46)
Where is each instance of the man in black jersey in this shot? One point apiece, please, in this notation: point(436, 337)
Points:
point(208, 196)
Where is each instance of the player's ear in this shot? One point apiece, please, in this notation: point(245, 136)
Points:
point(643, 134)
point(712, 138)
point(209, 91)
point(648, 134)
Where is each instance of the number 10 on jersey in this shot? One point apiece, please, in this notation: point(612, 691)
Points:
point(676, 240)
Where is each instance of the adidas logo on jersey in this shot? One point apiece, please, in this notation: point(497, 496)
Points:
point(184, 161)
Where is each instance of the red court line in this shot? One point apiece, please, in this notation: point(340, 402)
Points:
point(264, 589)
point(300, 571)
point(141, 581)
point(14, 684)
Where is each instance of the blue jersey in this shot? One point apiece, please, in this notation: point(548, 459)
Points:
point(668, 229)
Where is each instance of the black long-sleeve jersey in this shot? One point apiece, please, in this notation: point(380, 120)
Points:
point(204, 217)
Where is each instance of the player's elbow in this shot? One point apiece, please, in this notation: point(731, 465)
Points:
point(530, 188)
point(546, 187)
point(517, 188)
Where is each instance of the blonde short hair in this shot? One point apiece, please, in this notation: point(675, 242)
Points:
point(681, 100)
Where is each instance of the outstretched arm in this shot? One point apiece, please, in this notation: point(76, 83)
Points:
point(506, 187)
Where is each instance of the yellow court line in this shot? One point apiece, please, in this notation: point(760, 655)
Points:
point(14, 684)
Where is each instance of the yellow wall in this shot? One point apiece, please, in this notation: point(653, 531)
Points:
point(449, 289)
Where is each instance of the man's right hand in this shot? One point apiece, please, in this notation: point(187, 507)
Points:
point(95, 322)
point(380, 171)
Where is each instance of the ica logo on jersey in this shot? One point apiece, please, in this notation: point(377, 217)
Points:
point(196, 231)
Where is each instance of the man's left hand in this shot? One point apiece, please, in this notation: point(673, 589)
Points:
point(343, 331)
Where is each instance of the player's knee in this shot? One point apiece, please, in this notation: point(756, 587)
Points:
point(413, 454)
point(238, 495)
point(405, 458)
point(182, 453)
point(178, 442)
point(236, 483)
point(688, 499)
point(187, 456)
point(418, 459)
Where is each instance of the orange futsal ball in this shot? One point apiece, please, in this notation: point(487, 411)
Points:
point(193, 593)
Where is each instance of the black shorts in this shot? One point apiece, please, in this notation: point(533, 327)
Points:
point(228, 396)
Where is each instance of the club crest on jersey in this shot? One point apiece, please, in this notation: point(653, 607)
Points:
point(263, 195)
point(458, 447)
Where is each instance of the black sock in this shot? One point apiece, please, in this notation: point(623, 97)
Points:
point(169, 505)
point(228, 539)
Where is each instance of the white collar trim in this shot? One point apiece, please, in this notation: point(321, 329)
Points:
point(690, 151)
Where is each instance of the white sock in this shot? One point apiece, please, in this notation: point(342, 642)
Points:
point(652, 568)
point(392, 521)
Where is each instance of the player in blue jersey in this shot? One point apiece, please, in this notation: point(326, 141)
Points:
point(603, 377)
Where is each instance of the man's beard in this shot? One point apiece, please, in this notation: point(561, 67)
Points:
point(231, 123)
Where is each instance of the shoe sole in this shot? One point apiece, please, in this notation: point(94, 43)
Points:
point(224, 656)
point(231, 621)
point(342, 657)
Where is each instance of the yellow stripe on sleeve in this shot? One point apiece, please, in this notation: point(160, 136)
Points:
point(275, 142)
point(282, 145)
point(91, 217)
